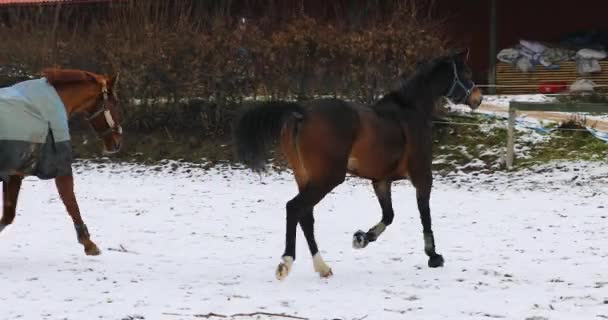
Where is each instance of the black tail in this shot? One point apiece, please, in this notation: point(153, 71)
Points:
point(258, 128)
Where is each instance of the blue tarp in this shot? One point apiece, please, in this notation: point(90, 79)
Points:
point(34, 133)
point(29, 109)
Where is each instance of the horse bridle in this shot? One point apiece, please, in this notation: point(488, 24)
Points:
point(457, 82)
point(112, 126)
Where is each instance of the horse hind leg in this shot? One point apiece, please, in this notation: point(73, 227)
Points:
point(300, 210)
point(382, 188)
point(307, 223)
point(318, 168)
point(65, 186)
point(10, 192)
point(296, 208)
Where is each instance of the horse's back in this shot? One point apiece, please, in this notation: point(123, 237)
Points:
point(336, 118)
point(335, 135)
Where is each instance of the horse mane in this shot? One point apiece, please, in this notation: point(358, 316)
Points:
point(412, 91)
point(57, 77)
point(416, 85)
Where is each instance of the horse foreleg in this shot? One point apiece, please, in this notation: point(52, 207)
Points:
point(10, 192)
point(65, 186)
point(423, 186)
point(382, 189)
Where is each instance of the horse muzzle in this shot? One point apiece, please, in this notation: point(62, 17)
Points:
point(112, 145)
point(474, 99)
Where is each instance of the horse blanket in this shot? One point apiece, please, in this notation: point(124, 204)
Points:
point(34, 133)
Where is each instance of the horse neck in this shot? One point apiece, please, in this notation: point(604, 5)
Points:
point(427, 92)
point(426, 88)
point(77, 97)
point(423, 98)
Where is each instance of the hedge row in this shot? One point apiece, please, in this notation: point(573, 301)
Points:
point(180, 72)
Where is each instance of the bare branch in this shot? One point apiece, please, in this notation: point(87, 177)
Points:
point(253, 314)
point(122, 249)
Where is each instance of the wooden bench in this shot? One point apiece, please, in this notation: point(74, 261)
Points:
point(519, 82)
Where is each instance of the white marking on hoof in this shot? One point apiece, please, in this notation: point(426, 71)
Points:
point(360, 240)
point(321, 267)
point(284, 268)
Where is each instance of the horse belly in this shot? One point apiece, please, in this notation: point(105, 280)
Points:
point(402, 170)
point(368, 165)
point(372, 158)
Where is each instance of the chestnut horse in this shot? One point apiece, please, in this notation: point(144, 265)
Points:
point(323, 139)
point(80, 92)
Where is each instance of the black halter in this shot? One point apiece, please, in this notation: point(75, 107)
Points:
point(457, 82)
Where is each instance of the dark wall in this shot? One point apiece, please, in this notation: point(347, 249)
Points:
point(467, 24)
point(548, 20)
point(543, 20)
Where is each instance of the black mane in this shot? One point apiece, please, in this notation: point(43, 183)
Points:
point(415, 92)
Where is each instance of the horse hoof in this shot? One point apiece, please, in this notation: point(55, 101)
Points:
point(436, 261)
point(326, 273)
point(360, 240)
point(2, 226)
point(284, 268)
point(282, 271)
point(92, 251)
point(321, 267)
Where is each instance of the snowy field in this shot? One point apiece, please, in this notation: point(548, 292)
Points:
point(181, 243)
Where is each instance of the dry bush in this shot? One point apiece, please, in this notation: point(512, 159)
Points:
point(184, 68)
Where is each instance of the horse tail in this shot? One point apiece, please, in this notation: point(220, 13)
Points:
point(258, 128)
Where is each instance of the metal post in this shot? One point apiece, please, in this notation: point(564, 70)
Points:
point(492, 48)
point(511, 138)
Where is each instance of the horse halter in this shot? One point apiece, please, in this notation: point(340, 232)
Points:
point(457, 82)
point(112, 126)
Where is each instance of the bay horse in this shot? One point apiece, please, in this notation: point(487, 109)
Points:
point(324, 139)
point(81, 92)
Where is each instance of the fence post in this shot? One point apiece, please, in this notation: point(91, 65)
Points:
point(511, 137)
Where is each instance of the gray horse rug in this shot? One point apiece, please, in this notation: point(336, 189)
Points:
point(34, 133)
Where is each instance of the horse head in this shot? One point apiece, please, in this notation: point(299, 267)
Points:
point(95, 96)
point(462, 88)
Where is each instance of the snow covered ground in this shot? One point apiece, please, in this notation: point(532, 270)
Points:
point(180, 243)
